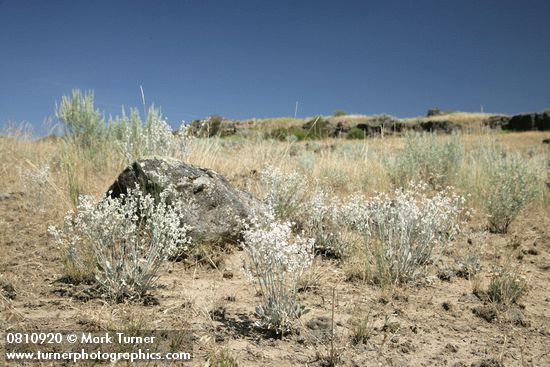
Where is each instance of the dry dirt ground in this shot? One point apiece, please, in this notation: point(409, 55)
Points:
point(441, 322)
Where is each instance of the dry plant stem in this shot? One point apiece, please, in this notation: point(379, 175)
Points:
point(332, 354)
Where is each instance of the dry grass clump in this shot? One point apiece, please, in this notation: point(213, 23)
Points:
point(507, 285)
point(221, 358)
point(361, 327)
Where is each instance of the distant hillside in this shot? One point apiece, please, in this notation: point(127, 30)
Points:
point(362, 126)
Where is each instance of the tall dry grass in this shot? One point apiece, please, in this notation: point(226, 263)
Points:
point(341, 167)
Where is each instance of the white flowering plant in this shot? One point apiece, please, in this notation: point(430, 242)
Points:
point(35, 185)
point(128, 238)
point(324, 220)
point(276, 261)
point(152, 138)
point(506, 285)
point(284, 192)
point(404, 233)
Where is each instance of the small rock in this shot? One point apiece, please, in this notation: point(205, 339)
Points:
point(218, 314)
point(445, 274)
point(406, 347)
point(451, 348)
point(227, 273)
point(8, 290)
point(391, 326)
point(447, 306)
point(518, 318)
point(533, 251)
point(149, 300)
point(319, 323)
point(488, 363)
point(485, 312)
point(320, 327)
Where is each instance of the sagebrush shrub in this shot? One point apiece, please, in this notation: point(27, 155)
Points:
point(407, 231)
point(84, 125)
point(425, 158)
point(154, 137)
point(284, 192)
point(509, 184)
point(127, 238)
point(86, 128)
point(276, 260)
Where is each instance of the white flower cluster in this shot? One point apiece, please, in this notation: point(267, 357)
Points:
point(285, 192)
point(408, 231)
point(35, 185)
point(325, 221)
point(277, 259)
point(506, 285)
point(154, 138)
point(129, 237)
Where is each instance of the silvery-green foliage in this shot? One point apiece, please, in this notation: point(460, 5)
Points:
point(426, 158)
point(510, 184)
point(154, 137)
point(284, 192)
point(276, 260)
point(84, 125)
point(157, 134)
point(129, 238)
point(306, 161)
point(324, 220)
point(407, 231)
point(35, 184)
point(506, 285)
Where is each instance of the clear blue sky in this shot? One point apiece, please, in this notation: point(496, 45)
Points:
point(255, 58)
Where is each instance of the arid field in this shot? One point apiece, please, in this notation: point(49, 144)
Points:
point(452, 271)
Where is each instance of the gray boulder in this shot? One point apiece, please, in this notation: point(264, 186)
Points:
point(216, 207)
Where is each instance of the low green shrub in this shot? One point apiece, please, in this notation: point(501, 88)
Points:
point(338, 113)
point(84, 125)
point(356, 133)
point(508, 185)
point(284, 133)
point(426, 158)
